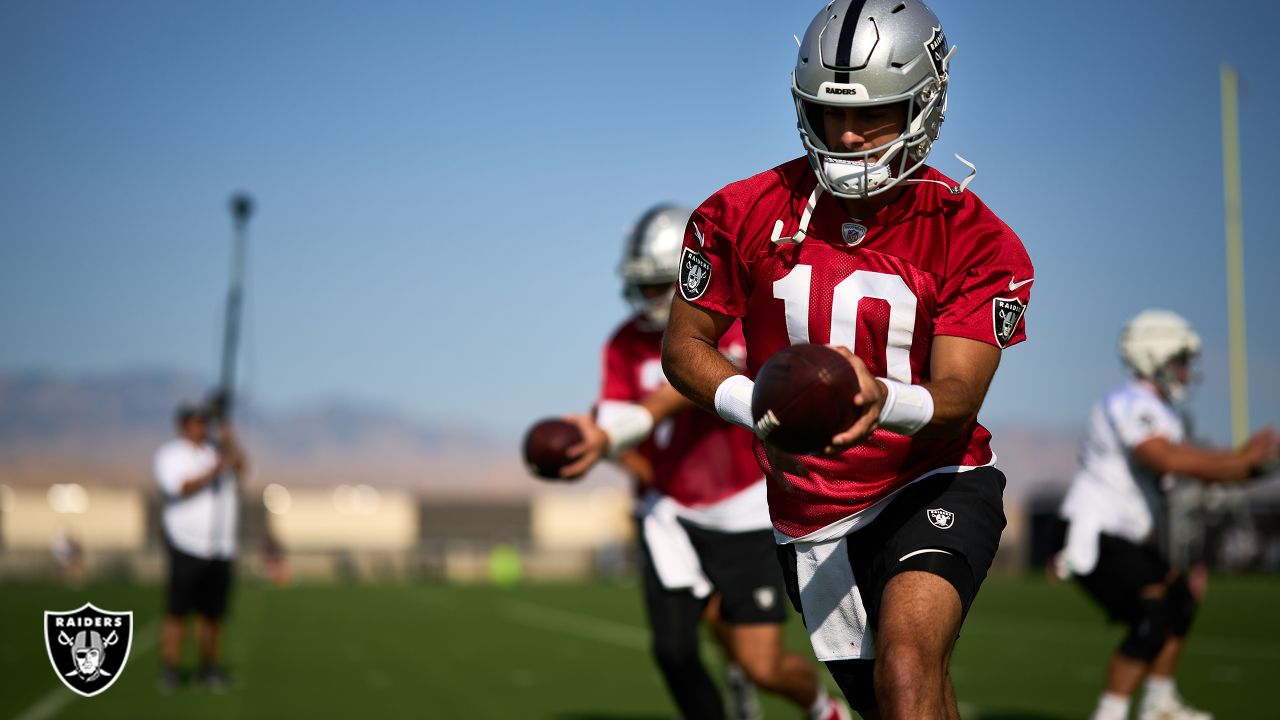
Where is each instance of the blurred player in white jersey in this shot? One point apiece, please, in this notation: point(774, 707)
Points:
point(1137, 438)
point(701, 509)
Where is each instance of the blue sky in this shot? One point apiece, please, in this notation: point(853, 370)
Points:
point(443, 190)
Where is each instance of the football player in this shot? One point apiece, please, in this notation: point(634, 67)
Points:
point(885, 537)
point(1136, 438)
point(702, 517)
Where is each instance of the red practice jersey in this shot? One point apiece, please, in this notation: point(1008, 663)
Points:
point(932, 263)
point(698, 459)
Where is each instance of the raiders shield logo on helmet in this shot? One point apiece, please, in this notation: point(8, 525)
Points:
point(937, 48)
point(941, 518)
point(88, 646)
point(695, 274)
point(1005, 314)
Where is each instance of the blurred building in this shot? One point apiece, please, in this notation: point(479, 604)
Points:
point(353, 532)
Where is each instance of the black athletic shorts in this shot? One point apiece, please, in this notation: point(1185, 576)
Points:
point(198, 585)
point(961, 514)
point(741, 568)
point(1124, 569)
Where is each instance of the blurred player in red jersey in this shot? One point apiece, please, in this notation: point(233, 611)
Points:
point(886, 537)
point(702, 514)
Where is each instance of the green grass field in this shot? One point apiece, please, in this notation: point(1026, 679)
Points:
point(579, 652)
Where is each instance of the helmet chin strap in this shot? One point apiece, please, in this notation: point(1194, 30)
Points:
point(805, 216)
point(953, 189)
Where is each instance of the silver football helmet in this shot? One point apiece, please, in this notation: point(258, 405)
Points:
point(652, 258)
point(863, 53)
point(1150, 344)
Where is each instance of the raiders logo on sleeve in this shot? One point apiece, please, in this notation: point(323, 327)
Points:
point(1005, 314)
point(695, 274)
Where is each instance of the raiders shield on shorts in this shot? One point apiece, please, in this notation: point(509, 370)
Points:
point(88, 646)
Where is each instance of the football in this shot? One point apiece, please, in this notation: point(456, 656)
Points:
point(803, 397)
point(546, 447)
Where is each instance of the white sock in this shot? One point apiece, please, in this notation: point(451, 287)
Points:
point(1158, 690)
point(1111, 707)
point(820, 703)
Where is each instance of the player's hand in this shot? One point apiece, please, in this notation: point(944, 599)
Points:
point(870, 399)
point(639, 467)
point(1262, 452)
point(595, 443)
point(1055, 569)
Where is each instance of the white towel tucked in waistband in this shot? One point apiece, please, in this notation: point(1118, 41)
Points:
point(833, 609)
point(674, 559)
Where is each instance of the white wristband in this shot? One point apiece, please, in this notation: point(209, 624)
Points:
point(626, 425)
point(733, 401)
point(906, 409)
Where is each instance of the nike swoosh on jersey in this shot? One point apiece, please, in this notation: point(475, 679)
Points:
point(1015, 285)
point(702, 242)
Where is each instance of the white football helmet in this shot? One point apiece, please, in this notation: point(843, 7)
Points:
point(1152, 341)
point(871, 52)
point(652, 257)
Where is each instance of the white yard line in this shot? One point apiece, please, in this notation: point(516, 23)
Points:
point(54, 701)
point(572, 623)
point(611, 632)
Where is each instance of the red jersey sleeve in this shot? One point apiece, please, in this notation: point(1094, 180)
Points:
point(618, 381)
point(988, 288)
point(713, 274)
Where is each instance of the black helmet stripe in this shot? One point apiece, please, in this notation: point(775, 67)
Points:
point(844, 46)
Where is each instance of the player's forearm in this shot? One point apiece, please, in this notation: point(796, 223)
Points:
point(691, 356)
point(961, 371)
point(664, 403)
point(955, 407)
point(695, 367)
point(198, 483)
point(1210, 466)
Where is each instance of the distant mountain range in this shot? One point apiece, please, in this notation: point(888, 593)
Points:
point(104, 429)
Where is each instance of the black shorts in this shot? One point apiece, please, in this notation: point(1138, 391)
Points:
point(741, 568)
point(198, 585)
point(961, 513)
point(1124, 569)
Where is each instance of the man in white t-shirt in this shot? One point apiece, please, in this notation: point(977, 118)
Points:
point(200, 520)
point(1136, 438)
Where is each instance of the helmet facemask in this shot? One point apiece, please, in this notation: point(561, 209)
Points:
point(1177, 376)
point(867, 173)
point(654, 309)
